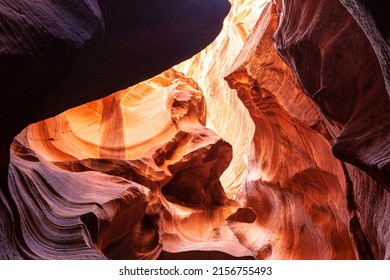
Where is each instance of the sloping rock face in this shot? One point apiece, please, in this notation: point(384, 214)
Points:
point(349, 87)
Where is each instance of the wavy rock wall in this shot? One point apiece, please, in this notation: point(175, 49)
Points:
point(373, 18)
point(55, 55)
point(292, 175)
point(353, 99)
point(187, 165)
point(135, 195)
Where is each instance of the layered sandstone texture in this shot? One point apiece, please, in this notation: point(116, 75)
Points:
point(349, 86)
point(271, 143)
point(55, 55)
point(136, 195)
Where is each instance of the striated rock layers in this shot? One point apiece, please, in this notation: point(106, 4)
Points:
point(374, 19)
point(55, 55)
point(336, 65)
point(294, 184)
point(135, 195)
point(271, 143)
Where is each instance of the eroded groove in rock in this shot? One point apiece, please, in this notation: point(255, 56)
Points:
point(372, 209)
point(362, 246)
point(354, 100)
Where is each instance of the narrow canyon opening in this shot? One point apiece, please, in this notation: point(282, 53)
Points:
point(259, 131)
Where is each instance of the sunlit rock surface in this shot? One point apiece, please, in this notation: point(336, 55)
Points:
point(228, 155)
point(164, 171)
point(226, 114)
point(294, 184)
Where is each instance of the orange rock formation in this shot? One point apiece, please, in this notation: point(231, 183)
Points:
point(271, 143)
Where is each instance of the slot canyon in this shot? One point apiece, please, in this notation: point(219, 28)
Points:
point(195, 129)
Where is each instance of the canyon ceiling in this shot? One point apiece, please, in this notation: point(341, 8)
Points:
point(205, 129)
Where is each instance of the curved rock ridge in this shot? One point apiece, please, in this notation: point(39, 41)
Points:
point(294, 185)
point(62, 215)
point(348, 86)
point(138, 197)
